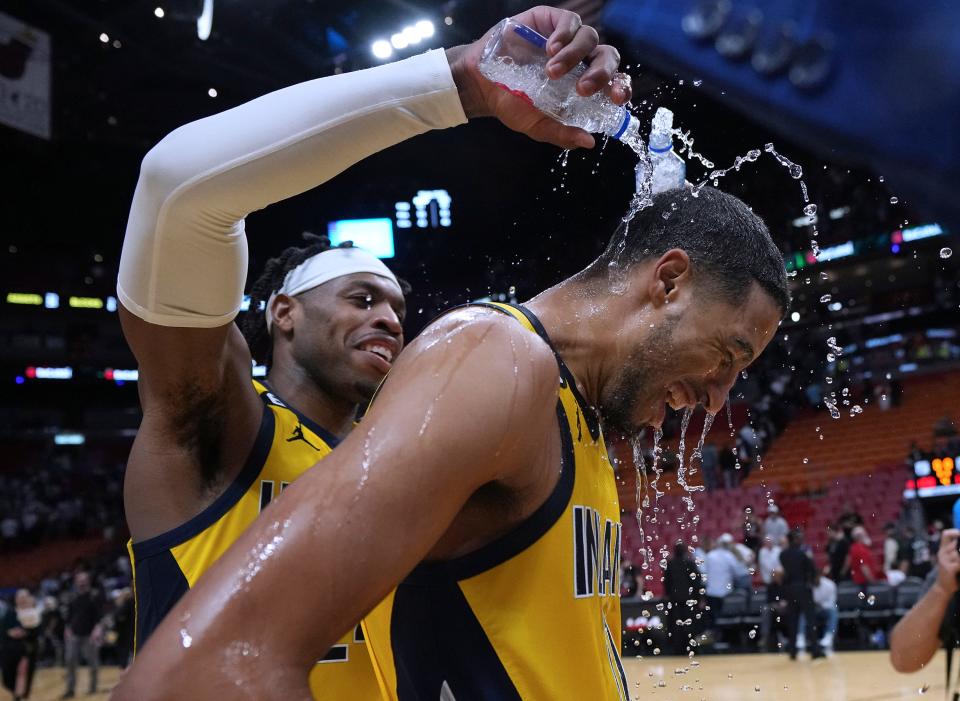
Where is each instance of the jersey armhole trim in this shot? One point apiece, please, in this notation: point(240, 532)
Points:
point(231, 495)
point(528, 532)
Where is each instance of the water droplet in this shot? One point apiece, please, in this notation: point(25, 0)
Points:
point(806, 461)
point(697, 83)
point(757, 688)
point(871, 600)
point(894, 200)
point(861, 596)
point(823, 275)
point(826, 298)
point(810, 210)
point(880, 178)
point(946, 252)
point(185, 638)
point(856, 409)
point(923, 689)
point(752, 634)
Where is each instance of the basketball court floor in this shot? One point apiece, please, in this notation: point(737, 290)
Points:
point(847, 676)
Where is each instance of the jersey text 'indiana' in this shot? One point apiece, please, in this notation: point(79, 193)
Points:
point(596, 554)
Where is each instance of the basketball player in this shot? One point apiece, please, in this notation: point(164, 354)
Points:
point(479, 481)
point(330, 331)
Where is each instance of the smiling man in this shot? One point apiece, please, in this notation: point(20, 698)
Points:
point(330, 329)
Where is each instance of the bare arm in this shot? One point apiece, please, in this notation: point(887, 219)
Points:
point(916, 637)
point(457, 412)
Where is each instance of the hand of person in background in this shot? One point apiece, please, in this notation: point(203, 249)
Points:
point(948, 561)
point(568, 43)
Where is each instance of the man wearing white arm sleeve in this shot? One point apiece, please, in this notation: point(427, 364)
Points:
point(184, 256)
point(214, 447)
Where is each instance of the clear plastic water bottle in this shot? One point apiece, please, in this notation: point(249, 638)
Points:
point(515, 59)
point(667, 170)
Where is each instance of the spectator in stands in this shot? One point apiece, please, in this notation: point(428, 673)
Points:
point(933, 535)
point(891, 547)
point(720, 569)
point(124, 618)
point(730, 467)
point(935, 619)
point(746, 561)
point(682, 584)
point(919, 553)
point(18, 659)
point(838, 548)
point(864, 568)
point(751, 529)
point(83, 633)
point(708, 464)
point(768, 560)
point(828, 616)
point(798, 576)
point(775, 526)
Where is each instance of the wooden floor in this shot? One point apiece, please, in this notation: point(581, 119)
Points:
point(848, 676)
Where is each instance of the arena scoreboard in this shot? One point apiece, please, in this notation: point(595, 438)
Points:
point(934, 477)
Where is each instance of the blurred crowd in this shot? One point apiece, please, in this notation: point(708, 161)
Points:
point(64, 496)
point(82, 616)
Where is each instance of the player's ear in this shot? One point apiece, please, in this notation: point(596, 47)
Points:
point(282, 310)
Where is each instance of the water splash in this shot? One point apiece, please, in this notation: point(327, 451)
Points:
point(796, 172)
point(681, 466)
point(642, 489)
point(686, 141)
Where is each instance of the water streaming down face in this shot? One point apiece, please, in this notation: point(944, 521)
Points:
point(681, 466)
point(642, 488)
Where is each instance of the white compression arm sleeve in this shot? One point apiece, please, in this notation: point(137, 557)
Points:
point(184, 259)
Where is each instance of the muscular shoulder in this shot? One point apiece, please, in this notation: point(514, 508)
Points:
point(475, 381)
point(509, 348)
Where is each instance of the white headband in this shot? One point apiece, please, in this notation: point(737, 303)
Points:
point(326, 266)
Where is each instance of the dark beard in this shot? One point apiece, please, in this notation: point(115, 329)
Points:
point(644, 368)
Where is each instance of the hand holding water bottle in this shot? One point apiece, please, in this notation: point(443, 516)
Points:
point(568, 43)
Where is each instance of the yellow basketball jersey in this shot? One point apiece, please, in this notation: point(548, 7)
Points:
point(166, 566)
point(533, 615)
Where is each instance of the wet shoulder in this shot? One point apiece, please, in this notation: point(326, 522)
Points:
point(504, 344)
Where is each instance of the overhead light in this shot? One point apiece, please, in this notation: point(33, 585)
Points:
point(399, 41)
point(448, 21)
point(104, 37)
point(424, 28)
point(212, 92)
point(412, 35)
point(795, 316)
point(381, 48)
point(158, 12)
point(205, 21)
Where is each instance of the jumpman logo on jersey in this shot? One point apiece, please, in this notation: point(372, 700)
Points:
point(298, 436)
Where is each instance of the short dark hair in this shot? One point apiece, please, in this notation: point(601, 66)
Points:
point(720, 234)
point(254, 324)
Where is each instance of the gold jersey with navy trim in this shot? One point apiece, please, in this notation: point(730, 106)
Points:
point(166, 566)
point(533, 615)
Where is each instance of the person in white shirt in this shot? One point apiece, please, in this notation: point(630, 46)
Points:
point(768, 560)
point(825, 598)
point(720, 569)
point(775, 526)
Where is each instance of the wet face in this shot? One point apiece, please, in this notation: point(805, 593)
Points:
point(346, 333)
point(692, 355)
